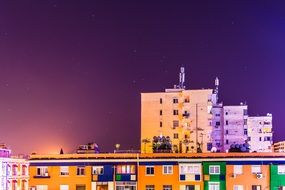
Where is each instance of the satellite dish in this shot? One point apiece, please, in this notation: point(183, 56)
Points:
point(214, 149)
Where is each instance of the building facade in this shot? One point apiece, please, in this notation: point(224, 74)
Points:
point(158, 171)
point(260, 133)
point(182, 116)
point(14, 172)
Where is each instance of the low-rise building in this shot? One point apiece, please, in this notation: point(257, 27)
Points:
point(165, 171)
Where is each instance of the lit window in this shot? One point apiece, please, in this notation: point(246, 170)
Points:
point(190, 169)
point(42, 171)
point(64, 170)
point(97, 170)
point(214, 186)
point(167, 169)
point(126, 169)
point(281, 169)
point(214, 169)
point(149, 170)
point(237, 169)
point(255, 169)
point(64, 187)
point(42, 187)
point(80, 170)
point(238, 187)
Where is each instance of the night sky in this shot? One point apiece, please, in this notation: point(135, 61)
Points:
point(72, 72)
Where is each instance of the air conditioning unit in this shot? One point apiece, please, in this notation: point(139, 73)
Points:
point(259, 175)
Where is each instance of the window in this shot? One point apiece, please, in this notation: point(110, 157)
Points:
point(214, 186)
point(190, 187)
point(175, 101)
point(175, 112)
point(160, 100)
point(214, 169)
point(190, 169)
point(167, 187)
point(255, 169)
point(42, 171)
point(64, 170)
point(80, 187)
point(149, 187)
point(63, 187)
point(167, 169)
point(175, 135)
point(256, 187)
point(149, 170)
point(160, 112)
point(80, 170)
point(97, 170)
point(175, 124)
point(126, 169)
point(42, 187)
point(238, 187)
point(237, 169)
point(281, 169)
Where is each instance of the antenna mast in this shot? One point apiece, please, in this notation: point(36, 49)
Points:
point(181, 78)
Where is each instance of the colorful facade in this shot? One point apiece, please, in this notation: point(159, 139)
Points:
point(14, 172)
point(158, 171)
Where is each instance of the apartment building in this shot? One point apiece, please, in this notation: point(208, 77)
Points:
point(260, 133)
point(279, 146)
point(165, 171)
point(234, 125)
point(14, 172)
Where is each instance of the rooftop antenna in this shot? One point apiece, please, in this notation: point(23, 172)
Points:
point(182, 78)
point(216, 91)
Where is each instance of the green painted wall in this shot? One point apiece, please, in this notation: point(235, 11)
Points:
point(276, 179)
point(215, 178)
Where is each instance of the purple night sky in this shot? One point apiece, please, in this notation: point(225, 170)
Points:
point(72, 71)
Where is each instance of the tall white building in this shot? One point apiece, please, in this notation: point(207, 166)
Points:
point(260, 133)
point(234, 125)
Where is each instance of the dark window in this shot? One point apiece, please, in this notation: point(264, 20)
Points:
point(80, 187)
point(150, 170)
point(175, 112)
point(256, 187)
point(175, 135)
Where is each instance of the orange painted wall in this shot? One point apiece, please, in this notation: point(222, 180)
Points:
point(247, 179)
